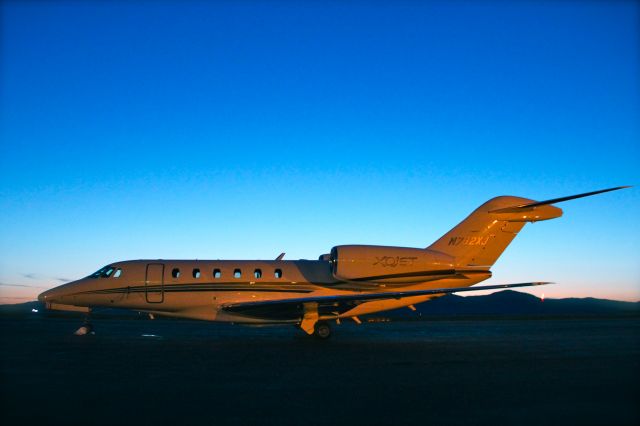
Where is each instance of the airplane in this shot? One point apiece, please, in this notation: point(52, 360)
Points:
point(347, 282)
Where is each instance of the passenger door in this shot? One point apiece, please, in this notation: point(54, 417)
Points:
point(154, 283)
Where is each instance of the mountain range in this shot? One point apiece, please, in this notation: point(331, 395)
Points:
point(509, 302)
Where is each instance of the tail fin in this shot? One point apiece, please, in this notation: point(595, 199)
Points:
point(480, 239)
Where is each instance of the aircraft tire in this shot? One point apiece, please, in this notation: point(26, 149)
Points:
point(85, 329)
point(322, 330)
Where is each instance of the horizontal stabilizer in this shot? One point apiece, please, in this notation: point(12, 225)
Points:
point(532, 206)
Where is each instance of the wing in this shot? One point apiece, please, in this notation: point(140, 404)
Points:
point(289, 309)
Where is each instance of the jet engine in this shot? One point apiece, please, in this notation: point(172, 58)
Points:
point(382, 264)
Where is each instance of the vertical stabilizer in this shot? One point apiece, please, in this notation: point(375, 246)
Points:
point(480, 239)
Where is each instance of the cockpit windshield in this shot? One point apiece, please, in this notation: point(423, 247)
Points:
point(104, 272)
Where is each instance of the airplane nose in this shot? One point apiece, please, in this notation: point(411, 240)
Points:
point(42, 297)
point(61, 293)
point(50, 295)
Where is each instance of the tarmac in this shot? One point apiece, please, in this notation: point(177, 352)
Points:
point(447, 372)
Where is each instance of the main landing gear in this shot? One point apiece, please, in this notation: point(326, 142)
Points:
point(310, 323)
point(322, 330)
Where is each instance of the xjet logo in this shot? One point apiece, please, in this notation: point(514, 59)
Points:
point(393, 261)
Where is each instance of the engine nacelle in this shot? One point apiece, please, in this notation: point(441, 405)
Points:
point(384, 264)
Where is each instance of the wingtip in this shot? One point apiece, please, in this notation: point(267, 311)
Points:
point(615, 188)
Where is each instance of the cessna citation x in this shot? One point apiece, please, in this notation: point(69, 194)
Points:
point(351, 280)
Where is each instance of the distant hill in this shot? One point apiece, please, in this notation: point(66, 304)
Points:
point(21, 307)
point(507, 302)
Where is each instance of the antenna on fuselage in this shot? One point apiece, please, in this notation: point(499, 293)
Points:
point(280, 256)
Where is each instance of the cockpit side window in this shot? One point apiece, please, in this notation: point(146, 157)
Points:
point(117, 273)
point(103, 273)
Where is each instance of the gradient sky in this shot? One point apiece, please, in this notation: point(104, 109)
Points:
point(243, 129)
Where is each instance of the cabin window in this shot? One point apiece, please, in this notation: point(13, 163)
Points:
point(278, 273)
point(196, 273)
point(217, 273)
point(117, 273)
point(257, 273)
point(175, 273)
point(237, 273)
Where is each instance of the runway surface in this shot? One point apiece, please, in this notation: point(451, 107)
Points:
point(457, 372)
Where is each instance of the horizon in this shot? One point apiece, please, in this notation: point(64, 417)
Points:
point(542, 300)
point(240, 130)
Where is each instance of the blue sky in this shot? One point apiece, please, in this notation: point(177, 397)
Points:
point(244, 129)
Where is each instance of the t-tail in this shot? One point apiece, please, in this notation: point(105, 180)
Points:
point(479, 240)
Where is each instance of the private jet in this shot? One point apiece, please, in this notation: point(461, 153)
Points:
point(348, 282)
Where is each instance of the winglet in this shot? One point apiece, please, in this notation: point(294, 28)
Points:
point(531, 206)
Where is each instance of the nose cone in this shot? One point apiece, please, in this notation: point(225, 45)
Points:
point(58, 294)
point(47, 296)
point(67, 297)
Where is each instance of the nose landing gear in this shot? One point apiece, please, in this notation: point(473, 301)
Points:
point(85, 329)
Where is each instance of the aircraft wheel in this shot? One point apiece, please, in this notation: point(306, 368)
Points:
point(322, 330)
point(85, 329)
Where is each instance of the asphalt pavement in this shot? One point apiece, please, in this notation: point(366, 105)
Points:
point(449, 372)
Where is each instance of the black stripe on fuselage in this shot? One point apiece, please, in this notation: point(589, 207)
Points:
point(205, 287)
point(442, 273)
point(408, 275)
